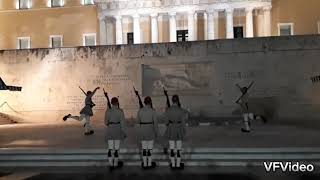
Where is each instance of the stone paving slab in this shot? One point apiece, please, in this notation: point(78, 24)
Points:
point(159, 173)
point(70, 136)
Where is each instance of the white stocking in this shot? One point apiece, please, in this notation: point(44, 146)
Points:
point(144, 153)
point(246, 122)
point(172, 152)
point(110, 151)
point(179, 148)
point(116, 155)
point(149, 153)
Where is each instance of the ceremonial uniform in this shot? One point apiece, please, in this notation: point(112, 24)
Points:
point(147, 119)
point(85, 113)
point(176, 118)
point(115, 121)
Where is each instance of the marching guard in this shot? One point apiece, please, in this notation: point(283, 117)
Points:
point(243, 102)
point(86, 112)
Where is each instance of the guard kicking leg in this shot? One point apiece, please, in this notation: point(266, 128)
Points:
point(179, 151)
point(246, 123)
point(144, 153)
point(172, 154)
point(80, 118)
point(84, 120)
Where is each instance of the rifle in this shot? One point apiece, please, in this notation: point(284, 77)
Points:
point(83, 91)
point(237, 101)
point(168, 101)
point(166, 94)
point(91, 105)
point(137, 94)
point(106, 95)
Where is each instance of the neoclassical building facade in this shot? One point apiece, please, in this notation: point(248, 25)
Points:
point(154, 21)
point(67, 23)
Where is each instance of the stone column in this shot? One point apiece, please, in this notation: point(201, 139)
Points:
point(191, 30)
point(211, 25)
point(119, 30)
point(195, 36)
point(103, 31)
point(205, 26)
point(249, 23)
point(267, 20)
point(136, 29)
point(173, 27)
point(216, 24)
point(110, 28)
point(154, 28)
point(229, 23)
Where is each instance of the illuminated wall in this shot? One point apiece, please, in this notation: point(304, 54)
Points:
point(203, 73)
point(74, 19)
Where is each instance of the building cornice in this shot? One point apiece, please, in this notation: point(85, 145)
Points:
point(130, 7)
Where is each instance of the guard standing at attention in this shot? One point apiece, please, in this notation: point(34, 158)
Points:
point(147, 118)
point(176, 118)
point(115, 122)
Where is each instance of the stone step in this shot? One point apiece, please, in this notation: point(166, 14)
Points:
point(131, 157)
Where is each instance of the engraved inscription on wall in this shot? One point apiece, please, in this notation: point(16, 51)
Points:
point(183, 79)
point(113, 84)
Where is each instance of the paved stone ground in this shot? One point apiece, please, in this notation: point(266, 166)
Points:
point(70, 135)
point(160, 173)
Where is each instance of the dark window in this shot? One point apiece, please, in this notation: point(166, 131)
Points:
point(285, 29)
point(56, 3)
point(88, 2)
point(130, 38)
point(24, 4)
point(182, 35)
point(238, 32)
point(56, 41)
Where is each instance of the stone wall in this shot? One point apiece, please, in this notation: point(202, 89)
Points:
point(204, 73)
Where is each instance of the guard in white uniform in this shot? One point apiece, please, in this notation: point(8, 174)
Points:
point(176, 119)
point(85, 113)
point(147, 119)
point(115, 121)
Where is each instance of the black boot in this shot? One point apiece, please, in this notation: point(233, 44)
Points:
point(89, 133)
point(111, 168)
point(171, 166)
point(120, 164)
point(244, 130)
point(181, 166)
point(66, 117)
point(143, 167)
point(153, 164)
point(264, 119)
point(165, 150)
